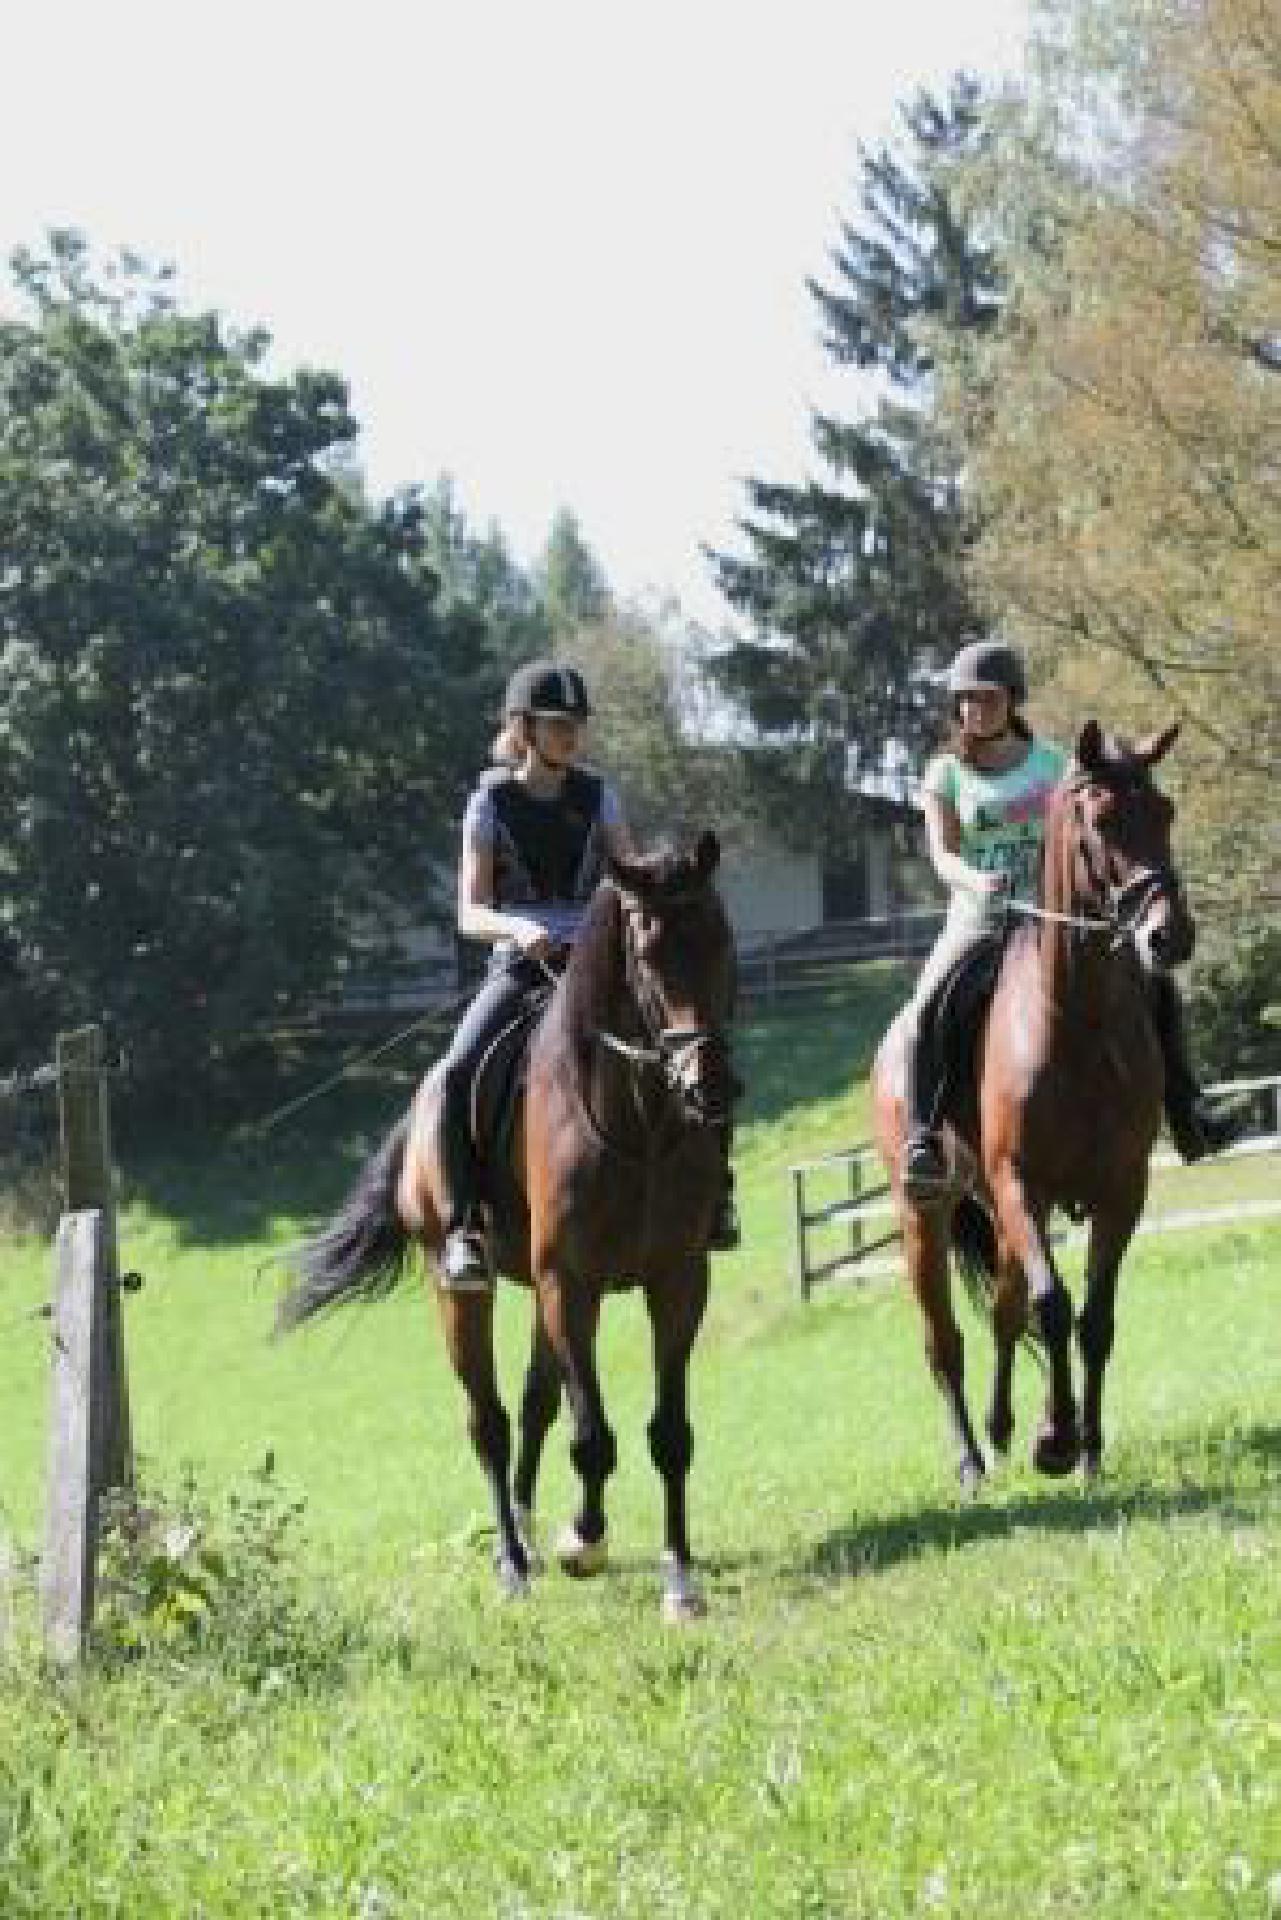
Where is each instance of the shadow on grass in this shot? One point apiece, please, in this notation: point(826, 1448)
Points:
point(1211, 1472)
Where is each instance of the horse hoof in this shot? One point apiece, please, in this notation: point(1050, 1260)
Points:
point(1055, 1453)
point(1091, 1464)
point(526, 1528)
point(512, 1583)
point(578, 1557)
point(971, 1475)
point(681, 1606)
point(682, 1601)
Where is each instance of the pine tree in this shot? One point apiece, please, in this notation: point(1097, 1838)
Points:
point(854, 582)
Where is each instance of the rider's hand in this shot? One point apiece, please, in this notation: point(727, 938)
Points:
point(533, 940)
point(994, 886)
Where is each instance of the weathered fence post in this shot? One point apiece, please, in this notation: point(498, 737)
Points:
point(89, 1181)
point(90, 1444)
point(75, 1438)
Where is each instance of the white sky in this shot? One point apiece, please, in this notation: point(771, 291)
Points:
point(558, 247)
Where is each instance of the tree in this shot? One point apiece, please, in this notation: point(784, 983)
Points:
point(229, 698)
point(570, 579)
point(854, 584)
point(1122, 424)
point(674, 785)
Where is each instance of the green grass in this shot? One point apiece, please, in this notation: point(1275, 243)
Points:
point(1052, 1702)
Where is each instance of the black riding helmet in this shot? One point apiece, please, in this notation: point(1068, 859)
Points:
point(986, 665)
point(546, 689)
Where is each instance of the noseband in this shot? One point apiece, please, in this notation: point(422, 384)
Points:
point(665, 1048)
point(1125, 903)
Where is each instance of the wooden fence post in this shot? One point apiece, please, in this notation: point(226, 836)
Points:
point(89, 1182)
point(90, 1443)
point(81, 1289)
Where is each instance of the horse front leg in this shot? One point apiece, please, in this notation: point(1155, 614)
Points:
point(571, 1312)
point(676, 1305)
point(1110, 1232)
point(925, 1247)
point(539, 1404)
point(468, 1320)
point(1058, 1445)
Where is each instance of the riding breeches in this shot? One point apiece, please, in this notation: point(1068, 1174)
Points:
point(959, 956)
point(506, 990)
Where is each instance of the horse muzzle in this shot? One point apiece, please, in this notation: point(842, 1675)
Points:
point(698, 1070)
point(1152, 910)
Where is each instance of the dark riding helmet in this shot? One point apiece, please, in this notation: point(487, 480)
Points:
point(545, 688)
point(986, 665)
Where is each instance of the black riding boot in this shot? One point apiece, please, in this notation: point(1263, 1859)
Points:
point(1197, 1127)
point(926, 1174)
point(464, 1263)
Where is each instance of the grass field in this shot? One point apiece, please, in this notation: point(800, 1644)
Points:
point(1053, 1702)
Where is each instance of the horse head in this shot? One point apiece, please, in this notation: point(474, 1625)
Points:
point(1124, 865)
point(679, 956)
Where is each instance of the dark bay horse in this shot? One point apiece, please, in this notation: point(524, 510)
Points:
point(612, 1180)
point(1065, 1105)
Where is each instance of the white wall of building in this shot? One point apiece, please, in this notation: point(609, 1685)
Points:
point(771, 891)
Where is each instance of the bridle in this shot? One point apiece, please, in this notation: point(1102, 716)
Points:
point(666, 1049)
point(1126, 903)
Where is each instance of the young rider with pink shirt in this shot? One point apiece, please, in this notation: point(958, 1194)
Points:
point(984, 799)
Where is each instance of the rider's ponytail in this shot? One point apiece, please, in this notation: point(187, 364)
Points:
point(511, 741)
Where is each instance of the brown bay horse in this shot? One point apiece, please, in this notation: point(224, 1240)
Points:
point(1064, 1107)
point(612, 1180)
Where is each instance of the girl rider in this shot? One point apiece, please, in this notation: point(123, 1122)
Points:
point(984, 799)
point(536, 835)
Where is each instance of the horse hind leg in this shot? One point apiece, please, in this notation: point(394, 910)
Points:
point(1009, 1324)
point(570, 1311)
point(469, 1334)
point(925, 1242)
point(540, 1402)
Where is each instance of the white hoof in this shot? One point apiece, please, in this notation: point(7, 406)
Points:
point(578, 1557)
point(682, 1600)
point(527, 1528)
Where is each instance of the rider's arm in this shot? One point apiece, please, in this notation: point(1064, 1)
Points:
point(478, 917)
point(943, 827)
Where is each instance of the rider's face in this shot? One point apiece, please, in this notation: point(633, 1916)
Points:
point(557, 738)
point(984, 712)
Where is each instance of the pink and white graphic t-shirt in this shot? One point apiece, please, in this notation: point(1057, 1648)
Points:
point(1002, 818)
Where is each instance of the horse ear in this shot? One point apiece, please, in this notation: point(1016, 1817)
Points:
point(631, 877)
point(707, 854)
point(1157, 745)
point(1089, 747)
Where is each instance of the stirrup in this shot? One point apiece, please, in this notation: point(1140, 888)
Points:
point(464, 1263)
point(927, 1169)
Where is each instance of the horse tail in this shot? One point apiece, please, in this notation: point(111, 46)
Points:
point(362, 1250)
point(974, 1242)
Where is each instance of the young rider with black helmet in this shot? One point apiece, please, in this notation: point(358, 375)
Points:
point(984, 799)
point(537, 832)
